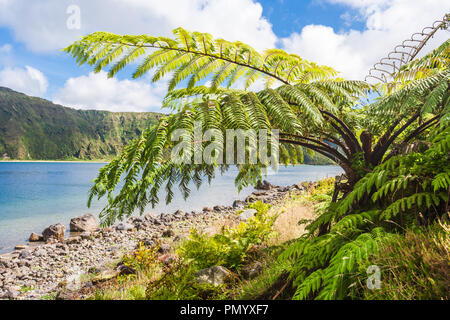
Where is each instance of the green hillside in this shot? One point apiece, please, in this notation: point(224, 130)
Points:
point(36, 129)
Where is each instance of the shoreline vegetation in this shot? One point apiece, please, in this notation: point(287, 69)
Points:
point(86, 261)
point(233, 252)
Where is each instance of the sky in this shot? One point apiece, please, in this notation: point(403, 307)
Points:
point(348, 35)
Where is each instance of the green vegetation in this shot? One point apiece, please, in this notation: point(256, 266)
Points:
point(232, 247)
point(229, 247)
point(36, 129)
point(395, 153)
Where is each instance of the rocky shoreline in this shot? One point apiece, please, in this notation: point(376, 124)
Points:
point(40, 271)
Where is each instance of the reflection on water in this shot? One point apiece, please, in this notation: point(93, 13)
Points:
point(35, 195)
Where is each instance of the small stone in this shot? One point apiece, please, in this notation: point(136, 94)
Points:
point(73, 240)
point(216, 275)
point(164, 248)
point(252, 270)
point(64, 295)
point(168, 233)
point(238, 204)
point(264, 185)
point(207, 209)
point(179, 213)
point(94, 270)
point(247, 214)
point(20, 247)
point(124, 269)
point(219, 208)
point(34, 237)
point(105, 276)
point(25, 254)
point(10, 294)
point(123, 226)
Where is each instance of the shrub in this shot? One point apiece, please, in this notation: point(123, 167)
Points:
point(229, 247)
point(141, 259)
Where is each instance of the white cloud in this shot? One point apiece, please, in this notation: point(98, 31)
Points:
point(97, 91)
point(388, 23)
point(28, 80)
point(46, 20)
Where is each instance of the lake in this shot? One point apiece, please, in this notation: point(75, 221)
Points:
point(34, 195)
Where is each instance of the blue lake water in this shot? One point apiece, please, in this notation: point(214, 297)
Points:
point(34, 195)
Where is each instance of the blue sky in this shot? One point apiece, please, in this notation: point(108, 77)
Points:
point(349, 35)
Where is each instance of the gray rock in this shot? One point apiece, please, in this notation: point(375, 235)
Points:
point(264, 185)
point(164, 248)
point(168, 233)
point(25, 254)
point(251, 198)
point(238, 204)
point(216, 275)
point(39, 253)
point(123, 226)
point(252, 270)
point(84, 223)
point(55, 231)
point(247, 214)
point(219, 208)
point(10, 294)
point(179, 213)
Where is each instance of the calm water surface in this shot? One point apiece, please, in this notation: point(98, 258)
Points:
point(35, 195)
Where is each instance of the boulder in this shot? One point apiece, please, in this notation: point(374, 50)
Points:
point(216, 275)
point(34, 237)
point(84, 223)
point(55, 231)
point(247, 214)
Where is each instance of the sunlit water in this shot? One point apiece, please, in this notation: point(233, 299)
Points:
point(35, 195)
